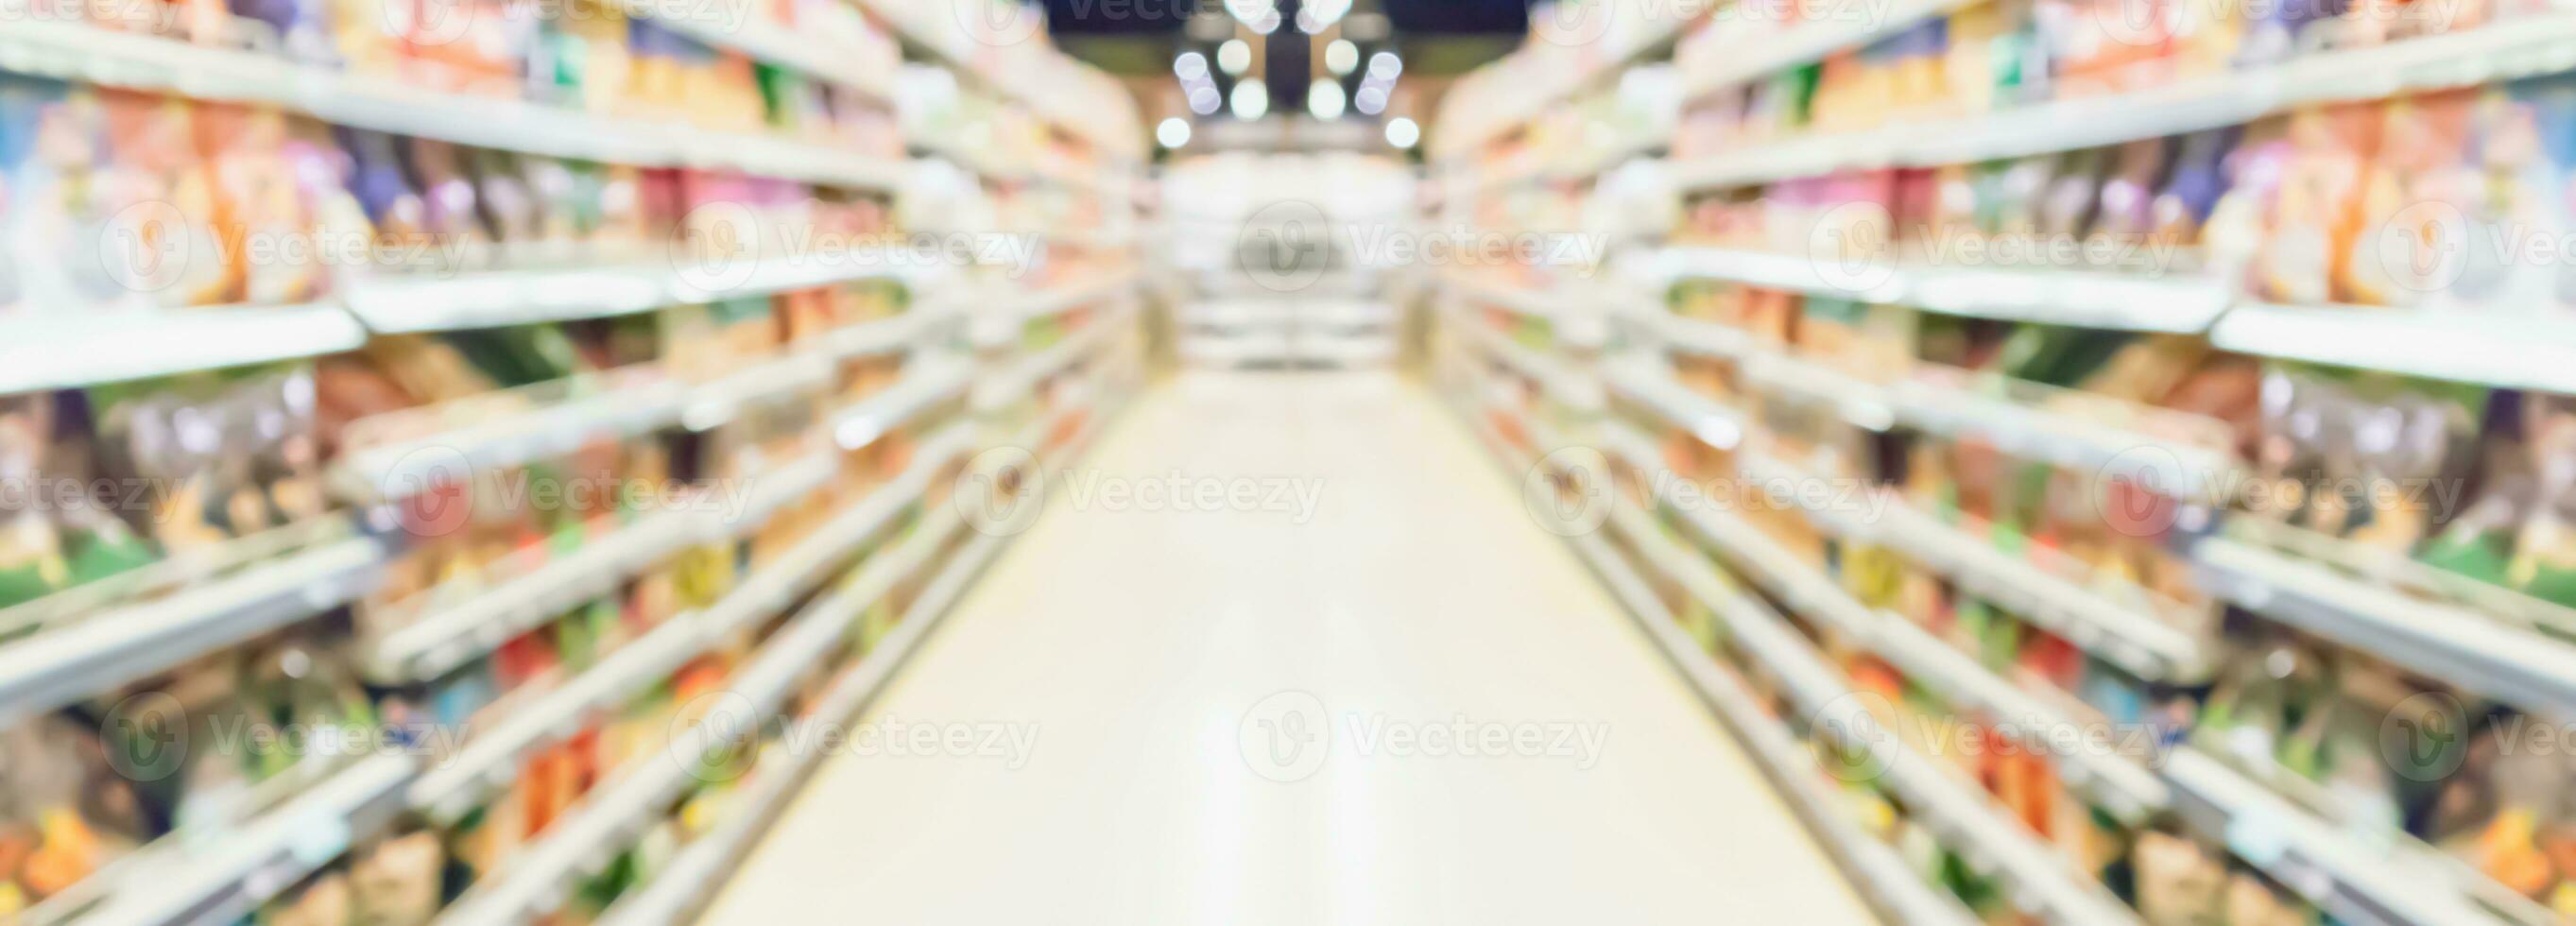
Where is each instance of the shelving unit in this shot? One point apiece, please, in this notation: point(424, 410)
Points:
point(804, 422)
point(2445, 632)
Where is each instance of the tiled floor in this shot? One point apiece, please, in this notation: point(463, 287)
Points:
point(1367, 689)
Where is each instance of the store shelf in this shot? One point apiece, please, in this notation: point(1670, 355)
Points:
point(78, 52)
point(436, 643)
point(1551, 375)
point(2510, 48)
point(921, 388)
point(2457, 645)
point(2137, 642)
point(559, 417)
point(393, 304)
point(2144, 301)
point(1528, 101)
point(1758, 52)
point(1652, 386)
point(1047, 303)
point(2489, 347)
point(1022, 377)
point(540, 876)
point(803, 567)
point(2067, 436)
point(1859, 402)
point(544, 874)
point(106, 652)
point(51, 349)
point(2330, 866)
point(1300, 315)
point(1005, 64)
point(754, 35)
point(226, 880)
point(1552, 308)
point(1892, 886)
point(2037, 876)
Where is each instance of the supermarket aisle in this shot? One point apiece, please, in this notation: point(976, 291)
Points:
point(1138, 651)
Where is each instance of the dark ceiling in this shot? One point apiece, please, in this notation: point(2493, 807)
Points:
point(1410, 17)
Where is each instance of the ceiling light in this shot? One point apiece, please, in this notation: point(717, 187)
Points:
point(1402, 132)
point(1204, 100)
point(1371, 100)
point(1326, 12)
point(1385, 66)
point(1342, 56)
point(1234, 57)
point(1324, 100)
point(1190, 66)
point(1174, 132)
point(1251, 99)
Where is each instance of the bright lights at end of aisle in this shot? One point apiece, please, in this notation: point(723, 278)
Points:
point(1173, 133)
point(1342, 57)
point(1234, 57)
point(1402, 132)
point(1204, 100)
point(1190, 66)
point(1251, 99)
point(1324, 100)
point(1371, 100)
point(1385, 66)
point(1319, 15)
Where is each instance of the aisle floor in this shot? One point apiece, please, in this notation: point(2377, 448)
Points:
point(1260, 715)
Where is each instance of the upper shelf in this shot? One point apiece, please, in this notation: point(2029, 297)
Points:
point(2512, 48)
point(2506, 350)
point(1040, 81)
point(64, 350)
point(1758, 51)
point(2097, 299)
point(77, 52)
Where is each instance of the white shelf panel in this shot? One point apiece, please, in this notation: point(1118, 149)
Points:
point(2455, 644)
point(65, 350)
point(391, 304)
point(755, 36)
point(2038, 877)
point(2104, 299)
point(226, 880)
point(1761, 52)
point(77, 52)
point(2511, 48)
point(1893, 886)
point(2329, 866)
point(105, 652)
point(2483, 346)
